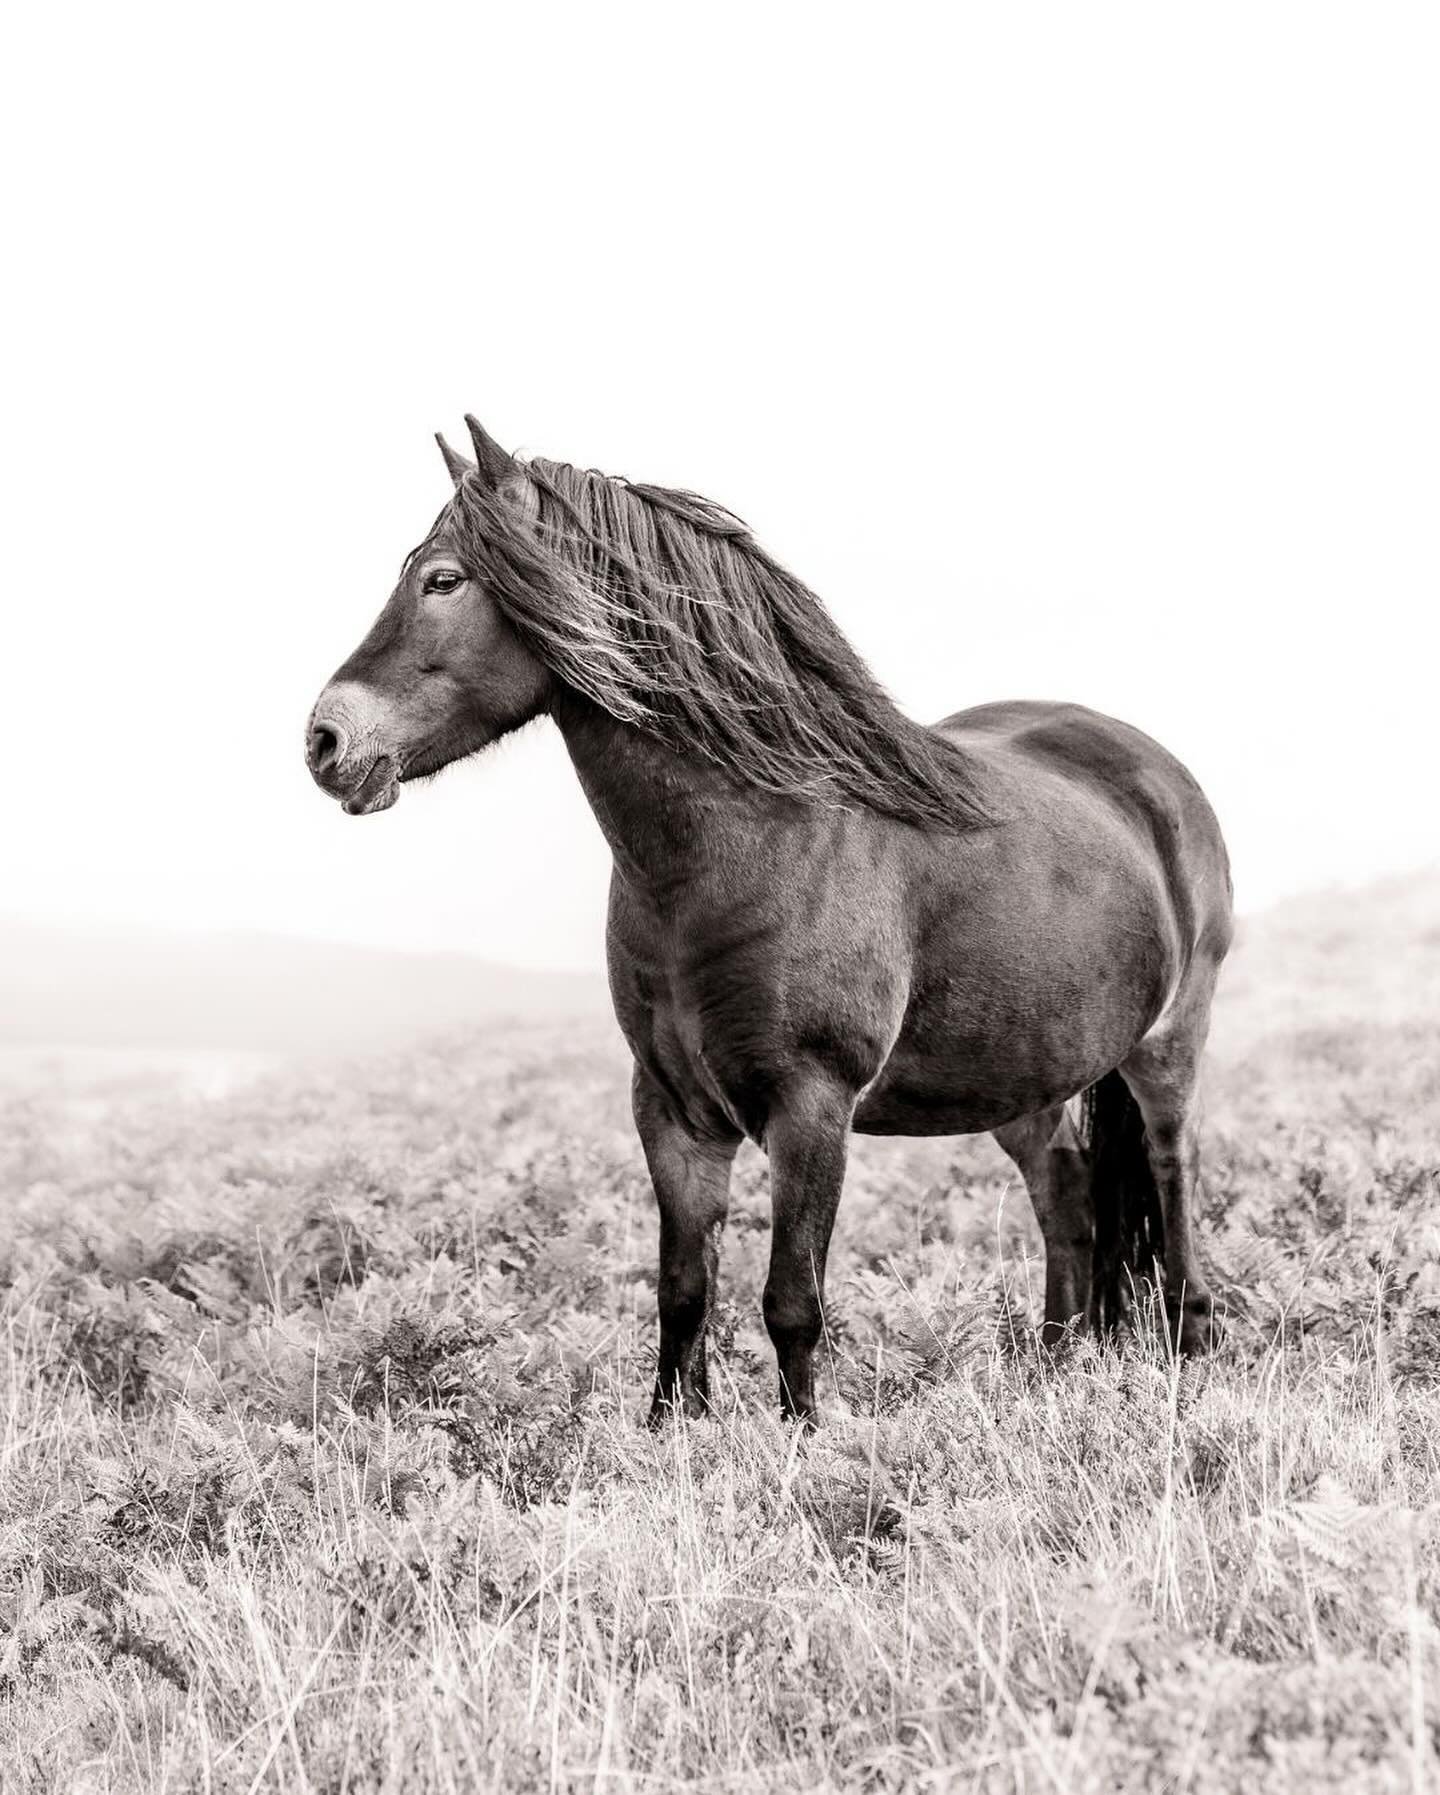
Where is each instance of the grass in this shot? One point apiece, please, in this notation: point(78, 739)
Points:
point(321, 1464)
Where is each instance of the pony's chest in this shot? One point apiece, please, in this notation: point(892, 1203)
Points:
point(725, 1007)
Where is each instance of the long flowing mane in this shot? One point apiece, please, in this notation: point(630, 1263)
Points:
point(663, 610)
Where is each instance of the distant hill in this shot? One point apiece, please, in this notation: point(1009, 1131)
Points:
point(1372, 953)
point(1367, 954)
point(72, 988)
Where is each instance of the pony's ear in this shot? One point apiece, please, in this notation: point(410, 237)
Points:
point(493, 465)
point(455, 462)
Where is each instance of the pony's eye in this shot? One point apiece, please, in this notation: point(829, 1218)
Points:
point(444, 579)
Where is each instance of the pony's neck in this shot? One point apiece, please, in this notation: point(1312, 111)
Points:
point(661, 811)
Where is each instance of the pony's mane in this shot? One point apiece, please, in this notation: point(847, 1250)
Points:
point(660, 607)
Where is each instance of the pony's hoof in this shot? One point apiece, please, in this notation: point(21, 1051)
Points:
point(1058, 1339)
point(689, 1406)
point(1198, 1329)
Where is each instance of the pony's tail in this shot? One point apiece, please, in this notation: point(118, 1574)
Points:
point(1129, 1223)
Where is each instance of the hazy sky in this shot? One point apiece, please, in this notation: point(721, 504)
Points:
point(1085, 352)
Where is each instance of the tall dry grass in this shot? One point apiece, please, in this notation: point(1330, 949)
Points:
point(320, 1465)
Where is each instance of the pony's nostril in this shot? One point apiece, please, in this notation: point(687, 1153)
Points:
point(324, 748)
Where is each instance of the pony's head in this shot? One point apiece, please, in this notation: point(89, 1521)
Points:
point(442, 672)
point(543, 587)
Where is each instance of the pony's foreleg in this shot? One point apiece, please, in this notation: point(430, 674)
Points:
point(807, 1136)
point(691, 1175)
point(1050, 1159)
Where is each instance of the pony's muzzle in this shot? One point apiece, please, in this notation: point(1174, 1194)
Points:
point(345, 758)
point(325, 750)
point(327, 744)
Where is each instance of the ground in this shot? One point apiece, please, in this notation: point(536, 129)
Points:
point(321, 1464)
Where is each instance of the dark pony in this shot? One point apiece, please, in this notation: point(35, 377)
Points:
point(824, 916)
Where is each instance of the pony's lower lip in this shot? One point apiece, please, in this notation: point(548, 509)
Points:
point(378, 790)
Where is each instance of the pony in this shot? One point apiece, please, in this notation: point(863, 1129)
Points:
point(824, 917)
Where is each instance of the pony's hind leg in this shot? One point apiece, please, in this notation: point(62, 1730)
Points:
point(691, 1175)
point(1163, 1075)
point(1045, 1148)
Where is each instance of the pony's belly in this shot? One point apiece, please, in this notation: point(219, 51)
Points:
point(953, 1077)
point(956, 1106)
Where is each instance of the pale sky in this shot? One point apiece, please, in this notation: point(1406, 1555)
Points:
point(1084, 352)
